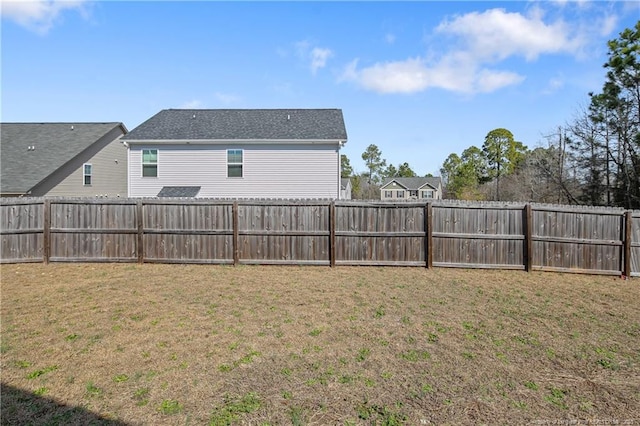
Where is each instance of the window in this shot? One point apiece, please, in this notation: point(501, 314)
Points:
point(427, 194)
point(87, 170)
point(413, 193)
point(234, 163)
point(399, 194)
point(149, 163)
point(388, 194)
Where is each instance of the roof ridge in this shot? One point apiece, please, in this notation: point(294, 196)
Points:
point(61, 122)
point(251, 109)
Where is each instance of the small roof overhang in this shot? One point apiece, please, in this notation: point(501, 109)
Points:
point(179, 191)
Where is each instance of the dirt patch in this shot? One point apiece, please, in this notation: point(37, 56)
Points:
point(176, 344)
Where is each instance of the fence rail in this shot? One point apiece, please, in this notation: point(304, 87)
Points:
point(439, 233)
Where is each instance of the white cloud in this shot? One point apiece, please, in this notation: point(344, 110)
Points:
point(496, 34)
point(391, 77)
point(608, 24)
point(475, 43)
point(317, 57)
point(39, 15)
point(554, 84)
point(415, 75)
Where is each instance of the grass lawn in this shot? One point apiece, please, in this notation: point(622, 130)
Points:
point(175, 344)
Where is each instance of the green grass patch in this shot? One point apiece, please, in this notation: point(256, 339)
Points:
point(233, 408)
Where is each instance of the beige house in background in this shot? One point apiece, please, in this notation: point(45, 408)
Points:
point(412, 188)
point(63, 159)
point(345, 188)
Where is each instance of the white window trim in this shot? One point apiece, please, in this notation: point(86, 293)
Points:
point(241, 163)
point(427, 192)
point(84, 174)
point(142, 163)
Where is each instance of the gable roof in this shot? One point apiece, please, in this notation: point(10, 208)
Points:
point(414, 183)
point(241, 124)
point(31, 152)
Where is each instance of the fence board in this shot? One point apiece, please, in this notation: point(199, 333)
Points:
point(484, 236)
point(439, 233)
point(22, 229)
point(557, 247)
point(380, 234)
point(188, 232)
point(635, 244)
point(286, 233)
point(96, 231)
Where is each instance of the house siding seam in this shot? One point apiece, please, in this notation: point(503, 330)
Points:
point(269, 171)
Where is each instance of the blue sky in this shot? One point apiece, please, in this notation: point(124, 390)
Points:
point(418, 79)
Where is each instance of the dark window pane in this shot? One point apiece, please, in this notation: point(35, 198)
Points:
point(149, 170)
point(235, 170)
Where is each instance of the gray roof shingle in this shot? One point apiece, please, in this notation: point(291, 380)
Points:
point(414, 183)
point(179, 191)
point(54, 144)
point(243, 124)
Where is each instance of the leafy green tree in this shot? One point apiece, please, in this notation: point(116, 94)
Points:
point(404, 170)
point(476, 161)
point(503, 154)
point(345, 167)
point(605, 139)
point(621, 96)
point(449, 168)
point(390, 172)
point(374, 162)
point(462, 175)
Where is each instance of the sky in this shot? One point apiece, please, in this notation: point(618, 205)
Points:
point(420, 79)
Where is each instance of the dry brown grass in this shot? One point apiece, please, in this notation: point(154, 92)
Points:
point(175, 344)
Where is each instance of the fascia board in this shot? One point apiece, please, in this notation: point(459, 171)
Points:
point(397, 183)
point(233, 141)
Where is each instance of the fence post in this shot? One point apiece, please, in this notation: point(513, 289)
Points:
point(140, 226)
point(626, 255)
point(528, 241)
point(332, 234)
point(236, 234)
point(428, 237)
point(46, 231)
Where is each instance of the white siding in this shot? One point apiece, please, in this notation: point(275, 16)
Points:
point(269, 171)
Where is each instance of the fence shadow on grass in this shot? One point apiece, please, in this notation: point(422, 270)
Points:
point(20, 407)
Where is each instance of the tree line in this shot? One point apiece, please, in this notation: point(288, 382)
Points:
point(366, 185)
point(592, 159)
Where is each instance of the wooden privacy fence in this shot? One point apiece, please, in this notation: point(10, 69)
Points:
point(438, 233)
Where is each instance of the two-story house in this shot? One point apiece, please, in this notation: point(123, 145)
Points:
point(237, 153)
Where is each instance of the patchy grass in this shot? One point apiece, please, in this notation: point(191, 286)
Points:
point(187, 344)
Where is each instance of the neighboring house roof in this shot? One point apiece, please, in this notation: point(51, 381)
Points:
point(31, 152)
point(344, 183)
point(414, 183)
point(179, 191)
point(241, 124)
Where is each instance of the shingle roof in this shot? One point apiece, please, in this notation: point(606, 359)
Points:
point(414, 183)
point(54, 144)
point(179, 191)
point(247, 124)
